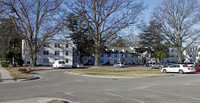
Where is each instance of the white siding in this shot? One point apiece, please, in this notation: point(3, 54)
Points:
point(42, 59)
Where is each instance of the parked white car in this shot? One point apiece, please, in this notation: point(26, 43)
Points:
point(118, 65)
point(179, 68)
point(59, 64)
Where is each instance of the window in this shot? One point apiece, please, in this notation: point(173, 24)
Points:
point(66, 53)
point(57, 45)
point(109, 55)
point(45, 60)
point(57, 53)
point(28, 62)
point(67, 45)
point(45, 52)
point(101, 61)
point(89, 61)
point(46, 45)
point(66, 60)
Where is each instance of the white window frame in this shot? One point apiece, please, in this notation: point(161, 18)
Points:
point(57, 53)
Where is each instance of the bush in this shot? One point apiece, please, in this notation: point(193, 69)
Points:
point(23, 70)
point(10, 65)
point(4, 64)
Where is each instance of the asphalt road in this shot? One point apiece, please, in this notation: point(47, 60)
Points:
point(81, 89)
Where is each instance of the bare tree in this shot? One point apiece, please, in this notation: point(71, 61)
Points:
point(132, 40)
point(33, 19)
point(179, 19)
point(192, 52)
point(106, 18)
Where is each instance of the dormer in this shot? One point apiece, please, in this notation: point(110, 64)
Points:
point(113, 50)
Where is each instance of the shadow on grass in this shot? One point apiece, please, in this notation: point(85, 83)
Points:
point(65, 101)
point(75, 68)
point(32, 79)
point(33, 73)
point(57, 101)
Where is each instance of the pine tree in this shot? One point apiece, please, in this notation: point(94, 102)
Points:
point(152, 42)
point(10, 42)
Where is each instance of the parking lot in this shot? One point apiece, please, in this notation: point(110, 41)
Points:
point(181, 88)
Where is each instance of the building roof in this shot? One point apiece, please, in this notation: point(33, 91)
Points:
point(120, 50)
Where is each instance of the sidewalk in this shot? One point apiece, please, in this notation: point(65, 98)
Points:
point(39, 100)
point(5, 76)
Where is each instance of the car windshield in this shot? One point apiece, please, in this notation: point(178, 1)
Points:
point(61, 62)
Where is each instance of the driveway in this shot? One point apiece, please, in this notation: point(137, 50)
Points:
point(81, 89)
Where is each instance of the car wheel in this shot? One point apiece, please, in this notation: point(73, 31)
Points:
point(181, 71)
point(164, 71)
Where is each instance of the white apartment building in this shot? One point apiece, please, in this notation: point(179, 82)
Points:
point(52, 49)
point(114, 55)
point(127, 55)
point(124, 55)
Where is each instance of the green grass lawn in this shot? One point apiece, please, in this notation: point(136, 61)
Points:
point(121, 73)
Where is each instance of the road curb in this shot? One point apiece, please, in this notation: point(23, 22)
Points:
point(39, 100)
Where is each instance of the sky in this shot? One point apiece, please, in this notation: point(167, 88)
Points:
point(151, 5)
point(146, 16)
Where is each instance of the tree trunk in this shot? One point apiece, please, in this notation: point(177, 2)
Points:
point(96, 58)
point(13, 57)
point(33, 53)
point(80, 57)
point(97, 53)
point(33, 59)
point(13, 60)
point(179, 50)
point(179, 54)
